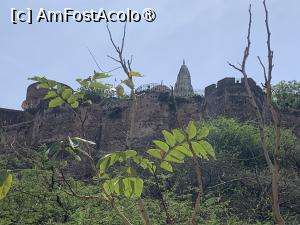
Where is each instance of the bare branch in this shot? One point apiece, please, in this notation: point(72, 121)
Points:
point(247, 49)
point(92, 55)
point(114, 59)
point(276, 122)
point(264, 69)
point(242, 68)
point(235, 67)
point(123, 38)
point(270, 51)
point(111, 39)
point(114, 69)
point(129, 62)
point(250, 93)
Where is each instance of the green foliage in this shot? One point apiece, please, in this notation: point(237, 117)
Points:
point(72, 146)
point(134, 74)
point(286, 95)
point(93, 83)
point(126, 181)
point(180, 144)
point(242, 141)
point(34, 200)
point(5, 183)
point(235, 191)
point(129, 83)
point(92, 87)
point(59, 94)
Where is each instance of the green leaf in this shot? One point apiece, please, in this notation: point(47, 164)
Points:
point(184, 150)
point(83, 152)
point(162, 145)
point(51, 83)
point(60, 88)
point(67, 93)
point(178, 135)
point(100, 75)
point(167, 166)
point(78, 95)
point(71, 152)
point(38, 79)
point(130, 153)
point(56, 102)
point(50, 94)
point(72, 99)
point(175, 156)
point(130, 171)
point(170, 139)
point(127, 188)
point(5, 183)
point(191, 130)
point(202, 133)
point(85, 141)
point(108, 186)
point(199, 150)
point(89, 102)
point(138, 187)
point(157, 153)
point(98, 85)
point(119, 187)
point(72, 144)
point(208, 148)
point(129, 83)
point(103, 164)
point(75, 104)
point(110, 159)
point(43, 86)
point(120, 90)
point(133, 187)
point(134, 74)
point(145, 163)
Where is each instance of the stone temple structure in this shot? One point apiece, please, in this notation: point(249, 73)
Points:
point(183, 86)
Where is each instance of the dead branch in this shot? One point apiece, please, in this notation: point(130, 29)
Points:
point(121, 60)
point(276, 122)
point(93, 57)
point(242, 70)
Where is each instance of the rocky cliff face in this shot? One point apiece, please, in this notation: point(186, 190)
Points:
point(108, 121)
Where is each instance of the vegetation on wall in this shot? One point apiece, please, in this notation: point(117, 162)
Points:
point(286, 95)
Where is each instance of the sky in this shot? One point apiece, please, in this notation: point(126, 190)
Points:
point(206, 33)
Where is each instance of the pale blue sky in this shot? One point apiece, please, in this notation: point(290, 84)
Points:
point(207, 33)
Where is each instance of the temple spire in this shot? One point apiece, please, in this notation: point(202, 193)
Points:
point(183, 86)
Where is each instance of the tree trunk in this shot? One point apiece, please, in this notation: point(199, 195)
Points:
point(143, 211)
point(200, 187)
point(275, 195)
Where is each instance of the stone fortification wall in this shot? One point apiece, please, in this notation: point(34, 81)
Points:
point(107, 122)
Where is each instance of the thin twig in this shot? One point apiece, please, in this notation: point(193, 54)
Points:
point(264, 69)
point(73, 193)
point(92, 55)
